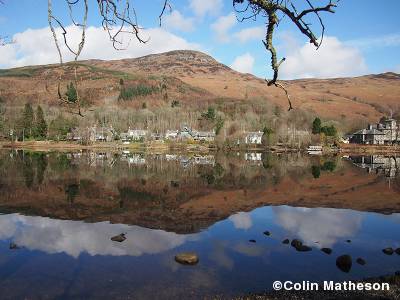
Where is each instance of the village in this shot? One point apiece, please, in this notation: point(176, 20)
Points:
point(186, 134)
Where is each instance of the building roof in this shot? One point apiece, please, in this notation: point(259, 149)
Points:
point(369, 131)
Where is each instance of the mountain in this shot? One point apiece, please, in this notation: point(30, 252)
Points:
point(196, 80)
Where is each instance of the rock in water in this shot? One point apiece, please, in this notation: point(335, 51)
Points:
point(252, 241)
point(388, 251)
point(286, 241)
point(267, 233)
point(119, 238)
point(361, 261)
point(296, 243)
point(303, 248)
point(13, 246)
point(344, 263)
point(187, 258)
point(397, 251)
point(326, 250)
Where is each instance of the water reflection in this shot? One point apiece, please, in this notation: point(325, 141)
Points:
point(322, 226)
point(388, 165)
point(75, 238)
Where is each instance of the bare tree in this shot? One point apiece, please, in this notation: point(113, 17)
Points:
point(119, 17)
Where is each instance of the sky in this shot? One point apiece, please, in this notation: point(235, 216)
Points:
point(360, 38)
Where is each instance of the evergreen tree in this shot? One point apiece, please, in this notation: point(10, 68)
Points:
point(27, 120)
point(72, 95)
point(316, 126)
point(40, 124)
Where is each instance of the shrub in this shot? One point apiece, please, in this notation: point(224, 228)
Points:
point(137, 91)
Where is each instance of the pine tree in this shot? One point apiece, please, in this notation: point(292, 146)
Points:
point(40, 124)
point(316, 126)
point(27, 120)
point(71, 93)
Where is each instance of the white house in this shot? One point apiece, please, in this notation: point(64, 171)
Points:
point(171, 134)
point(254, 137)
point(134, 135)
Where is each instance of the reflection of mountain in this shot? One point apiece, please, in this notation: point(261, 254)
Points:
point(164, 193)
point(75, 237)
point(323, 225)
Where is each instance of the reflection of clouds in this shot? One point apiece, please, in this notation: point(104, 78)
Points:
point(220, 257)
point(76, 237)
point(325, 225)
point(248, 249)
point(241, 220)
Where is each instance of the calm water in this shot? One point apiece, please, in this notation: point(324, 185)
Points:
point(59, 211)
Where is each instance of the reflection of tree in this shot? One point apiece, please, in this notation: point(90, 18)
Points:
point(27, 170)
point(72, 190)
point(316, 171)
point(40, 160)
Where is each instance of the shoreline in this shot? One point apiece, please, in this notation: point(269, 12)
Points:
point(345, 149)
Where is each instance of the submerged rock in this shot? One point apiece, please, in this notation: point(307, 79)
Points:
point(303, 248)
point(296, 243)
point(119, 238)
point(187, 258)
point(388, 251)
point(285, 241)
point(252, 241)
point(397, 251)
point(361, 261)
point(267, 233)
point(344, 263)
point(348, 241)
point(326, 250)
point(13, 246)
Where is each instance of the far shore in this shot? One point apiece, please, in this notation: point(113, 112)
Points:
point(157, 146)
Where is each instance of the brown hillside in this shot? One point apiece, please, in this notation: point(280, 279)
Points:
point(365, 98)
point(193, 77)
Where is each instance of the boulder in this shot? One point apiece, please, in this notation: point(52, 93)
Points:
point(397, 251)
point(388, 251)
point(187, 258)
point(119, 238)
point(303, 248)
point(285, 241)
point(344, 263)
point(267, 233)
point(252, 241)
point(327, 250)
point(296, 243)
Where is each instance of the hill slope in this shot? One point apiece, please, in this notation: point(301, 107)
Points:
point(194, 77)
point(366, 97)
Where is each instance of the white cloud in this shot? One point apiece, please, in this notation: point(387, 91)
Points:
point(389, 40)
point(241, 220)
point(176, 20)
point(252, 33)
point(36, 46)
point(332, 59)
point(203, 7)
point(243, 63)
point(222, 26)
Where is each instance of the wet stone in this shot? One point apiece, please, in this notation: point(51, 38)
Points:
point(327, 250)
point(397, 251)
point(388, 251)
point(252, 241)
point(285, 241)
point(344, 263)
point(119, 238)
point(187, 258)
point(267, 233)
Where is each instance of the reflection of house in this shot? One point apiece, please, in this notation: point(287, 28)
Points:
point(253, 156)
point(156, 137)
point(378, 163)
point(133, 159)
point(386, 132)
point(204, 160)
point(254, 137)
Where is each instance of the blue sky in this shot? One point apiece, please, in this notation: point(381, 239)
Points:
point(361, 37)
